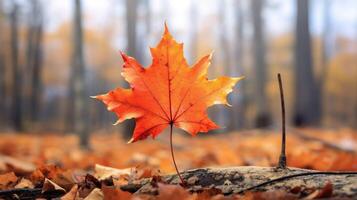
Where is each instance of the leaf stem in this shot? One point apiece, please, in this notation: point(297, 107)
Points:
point(173, 157)
point(282, 158)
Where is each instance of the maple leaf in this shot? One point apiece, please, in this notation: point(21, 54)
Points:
point(168, 92)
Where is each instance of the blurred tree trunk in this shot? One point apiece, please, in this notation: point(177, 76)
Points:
point(29, 58)
point(263, 115)
point(239, 100)
point(325, 61)
point(147, 16)
point(131, 19)
point(306, 101)
point(131, 22)
point(37, 84)
point(34, 57)
point(147, 32)
point(78, 95)
point(193, 31)
point(354, 106)
point(223, 116)
point(3, 114)
point(16, 71)
point(223, 36)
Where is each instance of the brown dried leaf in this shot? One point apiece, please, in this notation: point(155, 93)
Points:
point(16, 165)
point(172, 192)
point(208, 194)
point(111, 193)
point(7, 180)
point(96, 194)
point(49, 185)
point(104, 172)
point(147, 172)
point(88, 185)
point(72, 194)
point(268, 195)
point(325, 192)
point(37, 177)
point(24, 183)
point(64, 179)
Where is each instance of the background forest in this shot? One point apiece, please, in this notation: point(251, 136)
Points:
point(55, 140)
point(55, 54)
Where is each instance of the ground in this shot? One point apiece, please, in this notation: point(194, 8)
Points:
point(57, 156)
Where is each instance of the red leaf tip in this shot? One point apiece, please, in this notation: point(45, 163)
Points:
point(124, 56)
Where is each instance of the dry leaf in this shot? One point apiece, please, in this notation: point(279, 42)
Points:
point(24, 183)
point(72, 194)
point(49, 185)
point(37, 177)
point(7, 180)
point(103, 172)
point(64, 179)
point(147, 172)
point(269, 195)
point(111, 193)
point(172, 192)
point(96, 194)
point(324, 192)
point(16, 165)
point(88, 185)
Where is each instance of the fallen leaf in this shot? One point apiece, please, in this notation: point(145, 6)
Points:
point(211, 194)
point(172, 192)
point(88, 185)
point(168, 92)
point(48, 185)
point(7, 180)
point(221, 197)
point(103, 172)
point(324, 192)
point(72, 194)
point(147, 172)
point(111, 193)
point(64, 179)
point(96, 194)
point(50, 171)
point(37, 177)
point(268, 195)
point(16, 165)
point(24, 183)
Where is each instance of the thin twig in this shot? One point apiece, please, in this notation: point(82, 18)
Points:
point(293, 176)
point(173, 157)
point(282, 158)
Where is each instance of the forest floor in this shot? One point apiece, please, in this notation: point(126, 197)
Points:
point(52, 165)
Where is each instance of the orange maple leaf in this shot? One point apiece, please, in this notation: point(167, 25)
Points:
point(168, 92)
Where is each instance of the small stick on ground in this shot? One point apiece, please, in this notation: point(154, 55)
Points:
point(282, 158)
